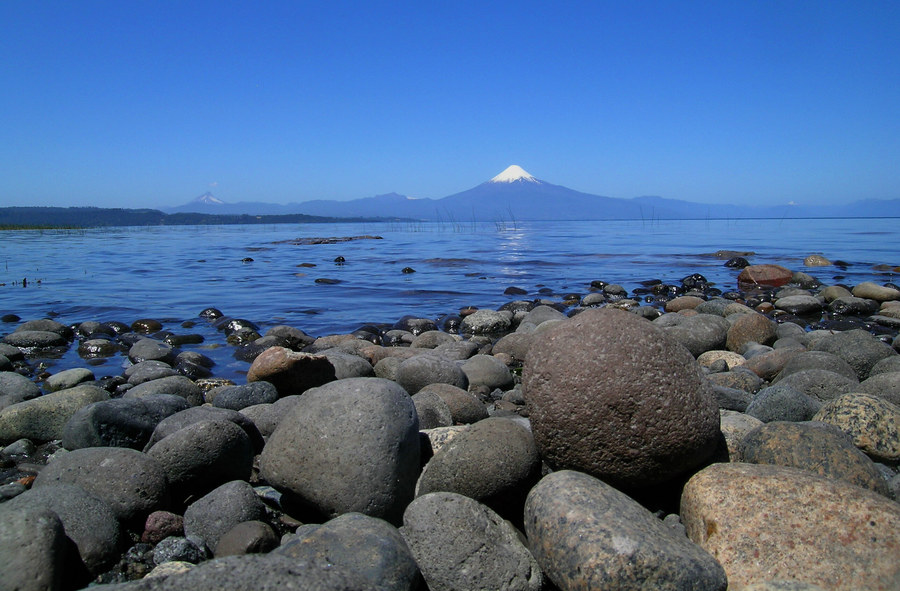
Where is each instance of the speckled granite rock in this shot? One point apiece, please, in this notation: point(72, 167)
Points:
point(587, 535)
point(773, 522)
point(812, 446)
point(871, 422)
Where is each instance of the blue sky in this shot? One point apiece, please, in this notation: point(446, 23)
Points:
point(151, 103)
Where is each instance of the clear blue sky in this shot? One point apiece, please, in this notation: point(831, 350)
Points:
point(151, 103)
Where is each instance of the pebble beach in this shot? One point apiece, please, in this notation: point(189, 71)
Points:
point(674, 436)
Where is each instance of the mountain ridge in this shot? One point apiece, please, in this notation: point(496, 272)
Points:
point(515, 194)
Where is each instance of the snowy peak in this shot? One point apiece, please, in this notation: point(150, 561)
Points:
point(512, 174)
point(208, 199)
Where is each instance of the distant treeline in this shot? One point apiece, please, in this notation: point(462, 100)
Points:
point(96, 217)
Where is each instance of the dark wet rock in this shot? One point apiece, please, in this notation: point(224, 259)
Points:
point(772, 275)
point(487, 370)
point(597, 403)
point(587, 535)
point(370, 547)
point(782, 403)
point(795, 509)
point(160, 525)
point(177, 548)
point(856, 347)
point(813, 446)
point(291, 372)
point(202, 456)
point(431, 409)
point(248, 537)
point(351, 445)
point(494, 461)
point(820, 384)
point(177, 340)
point(87, 521)
point(852, 306)
point(445, 530)
point(748, 328)
point(46, 325)
point(27, 339)
point(464, 407)
point(176, 385)
point(146, 325)
point(816, 360)
point(32, 549)
point(211, 516)
point(801, 305)
point(94, 348)
point(148, 349)
point(128, 481)
point(43, 418)
point(415, 325)
point(430, 368)
point(146, 371)
point(121, 422)
point(486, 321)
point(699, 333)
point(185, 418)
point(872, 423)
point(883, 385)
point(240, 397)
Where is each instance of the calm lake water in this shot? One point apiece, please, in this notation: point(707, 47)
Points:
point(172, 273)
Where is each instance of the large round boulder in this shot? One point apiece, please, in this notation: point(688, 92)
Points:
point(348, 446)
point(131, 483)
point(291, 372)
point(611, 395)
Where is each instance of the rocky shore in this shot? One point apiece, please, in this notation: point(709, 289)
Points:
point(676, 437)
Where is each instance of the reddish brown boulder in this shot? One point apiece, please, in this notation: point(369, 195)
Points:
point(289, 371)
point(754, 328)
point(611, 395)
point(774, 275)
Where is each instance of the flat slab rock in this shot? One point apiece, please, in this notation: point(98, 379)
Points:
point(766, 523)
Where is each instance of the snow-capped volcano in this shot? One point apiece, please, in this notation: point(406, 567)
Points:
point(208, 199)
point(512, 174)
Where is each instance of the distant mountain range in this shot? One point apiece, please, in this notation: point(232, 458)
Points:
point(515, 195)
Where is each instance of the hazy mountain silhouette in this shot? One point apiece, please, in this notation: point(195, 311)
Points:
point(515, 195)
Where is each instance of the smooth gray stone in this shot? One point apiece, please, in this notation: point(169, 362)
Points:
point(68, 379)
point(369, 547)
point(120, 422)
point(415, 373)
point(177, 385)
point(460, 544)
point(87, 520)
point(202, 456)
point(32, 549)
point(240, 397)
point(130, 483)
point(587, 535)
point(348, 446)
point(44, 418)
point(781, 402)
point(212, 515)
